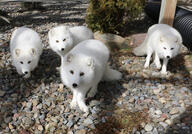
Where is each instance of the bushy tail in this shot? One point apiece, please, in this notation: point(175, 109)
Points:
point(141, 50)
point(111, 74)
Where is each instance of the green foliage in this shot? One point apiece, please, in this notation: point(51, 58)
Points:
point(109, 15)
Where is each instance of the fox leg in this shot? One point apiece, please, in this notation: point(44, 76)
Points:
point(73, 103)
point(149, 53)
point(164, 66)
point(157, 61)
point(81, 101)
point(92, 91)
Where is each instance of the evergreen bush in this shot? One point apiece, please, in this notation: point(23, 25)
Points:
point(109, 15)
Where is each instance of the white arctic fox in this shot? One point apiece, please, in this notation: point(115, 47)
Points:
point(63, 38)
point(83, 68)
point(162, 40)
point(26, 48)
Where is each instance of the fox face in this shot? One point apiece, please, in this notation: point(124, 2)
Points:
point(25, 61)
point(77, 72)
point(60, 39)
point(169, 47)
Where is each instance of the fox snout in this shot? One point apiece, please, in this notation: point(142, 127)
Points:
point(75, 85)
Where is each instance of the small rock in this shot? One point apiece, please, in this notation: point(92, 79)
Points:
point(2, 93)
point(156, 91)
point(162, 100)
point(40, 127)
point(82, 131)
point(148, 127)
point(169, 122)
point(70, 123)
point(158, 112)
point(163, 124)
point(87, 121)
point(174, 111)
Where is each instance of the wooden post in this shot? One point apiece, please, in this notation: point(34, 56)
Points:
point(167, 11)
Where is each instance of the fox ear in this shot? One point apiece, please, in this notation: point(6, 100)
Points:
point(17, 51)
point(91, 63)
point(51, 32)
point(33, 52)
point(69, 57)
point(177, 40)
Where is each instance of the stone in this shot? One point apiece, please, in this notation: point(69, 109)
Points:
point(174, 111)
point(82, 131)
point(40, 127)
point(2, 93)
point(148, 127)
point(70, 123)
point(162, 100)
point(169, 122)
point(165, 125)
point(87, 122)
point(158, 112)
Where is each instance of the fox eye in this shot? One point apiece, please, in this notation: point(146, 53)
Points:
point(81, 74)
point(29, 62)
point(164, 48)
point(64, 39)
point(21, 62)
point(57, 41)
point(71, 71)
point(172, 48)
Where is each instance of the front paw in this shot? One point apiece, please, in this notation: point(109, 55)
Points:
point(84, 108)
point(27, 76)
point(158, 66)
point(163, 72)
point(146, 65)
point(91, 93)
point(58, 68)
point(73, 104)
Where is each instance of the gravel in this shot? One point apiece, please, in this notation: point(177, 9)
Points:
point(41, 104)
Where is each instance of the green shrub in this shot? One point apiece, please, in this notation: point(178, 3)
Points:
point(109, 15)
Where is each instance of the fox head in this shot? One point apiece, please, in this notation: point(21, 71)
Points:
point(25, 61)
point(77, 71)
point(60, 39)
point(169, 46)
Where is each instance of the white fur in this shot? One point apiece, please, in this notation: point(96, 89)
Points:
point(90, 58)
point(26, 48)
point(163, 41)
point(64, 37)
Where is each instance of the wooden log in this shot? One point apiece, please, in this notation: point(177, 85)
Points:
point(167, 11)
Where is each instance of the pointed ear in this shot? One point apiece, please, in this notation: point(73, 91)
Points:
point(91, 63)
point(177, 40)
point(51, 32)
point(69, 58)
point(17, 51)
point(33, 52)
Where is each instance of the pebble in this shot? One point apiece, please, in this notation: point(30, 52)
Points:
point(82, 131)
point(2, 93)
point(70, 123)
point(148, 127)
point(158, 112)
point(87, 122)
point(174, 111)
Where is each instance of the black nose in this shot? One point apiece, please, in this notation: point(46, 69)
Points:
point(168, 57)
point(26, 72)
point(62, 49)
point(74, 85)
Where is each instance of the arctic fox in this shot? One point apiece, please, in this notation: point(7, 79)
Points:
point(83, 68)
point(26, 48)
point(63, 38)
point(162, 40)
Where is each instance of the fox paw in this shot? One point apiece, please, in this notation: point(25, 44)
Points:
point(164, 72)
point(158, 66)
point(91, 93)
point(73, 104)
point(84, 108)
point(146, 65)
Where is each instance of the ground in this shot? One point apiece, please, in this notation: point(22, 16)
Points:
point(142, 102)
